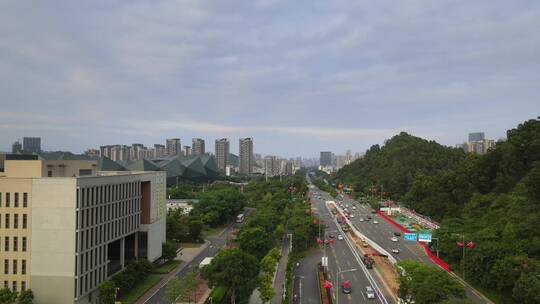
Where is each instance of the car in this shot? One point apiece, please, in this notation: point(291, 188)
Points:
point(354, 207)
point(394, 239)
point(352, 215)
point(395, 250)
point(346, 205)
point(369, 217)
point(340, 237)
point(370, 293)
point(361, 219)
point(331, 236)
point(375, 222)
point(397, 233)
point(346, 289)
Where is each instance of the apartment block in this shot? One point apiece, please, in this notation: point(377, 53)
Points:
point(64, 235)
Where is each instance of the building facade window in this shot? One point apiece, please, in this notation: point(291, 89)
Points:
point(14, 266)
point(24, 221)
point(23, 267)
point(8, 198)
point(6, 222)
point(6, 266)
point(16, 199)
point(0, 199)
point(6, 243)
point(15, 221)
point(23, 244)
point(25, 200)
point(23, 285)
point(15, 243)
point(14, 286)
point(6, 284)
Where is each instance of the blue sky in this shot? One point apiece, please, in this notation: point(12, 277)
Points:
point(298, 76)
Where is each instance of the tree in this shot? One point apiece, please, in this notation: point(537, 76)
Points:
point(107, 292)
point(7, 296)
point(195, 228)
point(173, 290)
point(25, 297)
point(426, 284)
point(190, 282)
point(255, 241)
point(235, 270)
point(169, 250)
point(527, 289)
point(265, 287)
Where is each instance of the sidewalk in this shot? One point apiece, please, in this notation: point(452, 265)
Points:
point(186, 257)
point(279, 277)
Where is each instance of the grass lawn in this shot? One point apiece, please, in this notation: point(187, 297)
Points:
point(141, 288)
point(213, 231)
point(166, 267)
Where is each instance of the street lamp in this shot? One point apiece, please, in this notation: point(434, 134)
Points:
point(337, 281)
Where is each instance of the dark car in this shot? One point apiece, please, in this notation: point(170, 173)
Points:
point(346, 289)
point(397, 233)
point(331, 236)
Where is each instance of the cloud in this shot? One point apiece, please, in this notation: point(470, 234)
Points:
point(326, 71)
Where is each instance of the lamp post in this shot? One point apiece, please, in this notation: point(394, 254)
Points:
point(337, 281)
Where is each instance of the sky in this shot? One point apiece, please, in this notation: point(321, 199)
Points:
point(298, 76)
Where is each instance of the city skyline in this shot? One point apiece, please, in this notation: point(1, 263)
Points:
point(325, 81)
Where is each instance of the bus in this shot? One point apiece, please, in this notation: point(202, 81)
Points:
point(240, 218)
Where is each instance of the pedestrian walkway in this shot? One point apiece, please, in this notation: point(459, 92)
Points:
point(186, 258)
point(279, 278)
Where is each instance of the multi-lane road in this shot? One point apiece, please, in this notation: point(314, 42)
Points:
point(341, 258)
point(381, 232)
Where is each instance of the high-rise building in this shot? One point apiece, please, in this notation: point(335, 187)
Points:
point(137, 152)
point(326, 159)
point(222, 153)
point(246, 155)
point(63, 237)
point(272, 165)
point(174, 146)
point(16, 147)
point(159, 151)
point(32, 144)
point(476, 136)
point(197, 146)
point(187, 151)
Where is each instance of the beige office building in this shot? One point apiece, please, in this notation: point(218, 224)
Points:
point(65, 228)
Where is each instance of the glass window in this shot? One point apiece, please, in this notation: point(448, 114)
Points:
point(23, 285)
point(15, 243)
point(25, 200)
point(0, 199)
point(24, 221)
point(24, 243)
point(6, 284)
point(6, 266)
point(16, 200)
point(15, 220)
point(7, 199)
point(14, 266)
point(6, 243)
point(14, 286)
point(23, 267)
point(7, 220)
point(49, 173)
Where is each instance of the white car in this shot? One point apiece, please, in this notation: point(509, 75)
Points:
point(354, 207)
point(340, 237)
point(394, 239)
point(370, 293)
point(395, 250)
point(375, 222)
point(361, 219)
point(352, 215)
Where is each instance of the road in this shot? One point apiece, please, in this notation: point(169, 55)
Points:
point(216, 243)
point(340, 257)
point(382, 233)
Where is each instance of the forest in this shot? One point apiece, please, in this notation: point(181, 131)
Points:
point(489, 201)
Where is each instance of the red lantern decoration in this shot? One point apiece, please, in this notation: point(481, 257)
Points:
point(459, 244)
point(471, 245)
point(327, 284)
point(346, 283)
